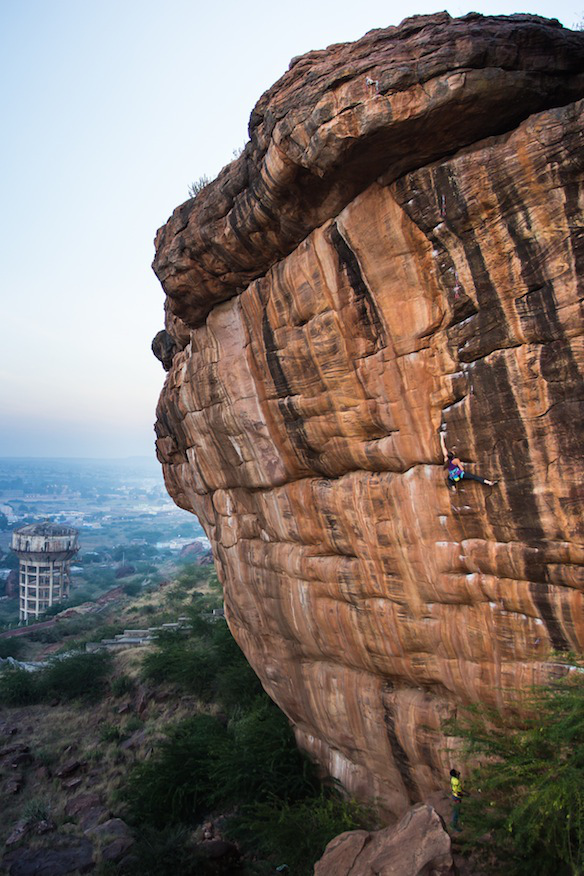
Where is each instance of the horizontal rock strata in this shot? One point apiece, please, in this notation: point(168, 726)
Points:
point(384, 261)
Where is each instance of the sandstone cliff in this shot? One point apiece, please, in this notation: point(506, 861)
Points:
point(399, 250)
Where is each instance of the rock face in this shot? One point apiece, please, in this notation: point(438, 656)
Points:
point(384, 261)
point(417, 846)
point(66, 855)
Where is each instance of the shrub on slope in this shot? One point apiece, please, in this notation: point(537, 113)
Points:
point(529, 811)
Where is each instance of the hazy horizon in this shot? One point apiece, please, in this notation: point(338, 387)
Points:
point(79, 458)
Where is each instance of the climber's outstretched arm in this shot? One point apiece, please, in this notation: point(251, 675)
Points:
point(443, 446)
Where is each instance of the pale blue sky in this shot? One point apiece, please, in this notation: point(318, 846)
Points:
point(109, 111)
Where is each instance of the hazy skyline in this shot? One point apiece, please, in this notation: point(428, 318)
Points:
point(110, 110)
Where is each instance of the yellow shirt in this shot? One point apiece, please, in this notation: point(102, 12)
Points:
point(456, 786)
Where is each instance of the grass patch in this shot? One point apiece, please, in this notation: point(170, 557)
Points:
point(110, 733)
point(37, 809)
point(123, 686)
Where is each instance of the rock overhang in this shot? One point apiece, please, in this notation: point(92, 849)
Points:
point(321, 334)
point(321, 135)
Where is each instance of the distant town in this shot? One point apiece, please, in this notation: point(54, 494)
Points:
point(129, 529)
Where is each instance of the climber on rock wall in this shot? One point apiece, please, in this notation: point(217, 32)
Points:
point(457, 795)
point(456, 470)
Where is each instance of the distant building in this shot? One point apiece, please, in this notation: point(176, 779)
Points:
point(45, 551)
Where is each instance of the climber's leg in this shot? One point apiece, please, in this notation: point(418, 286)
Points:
point(473, 477)
point(455, 813)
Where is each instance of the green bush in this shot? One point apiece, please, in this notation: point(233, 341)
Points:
point(527, 806)
point(213, 581)
point(176, 785)
point(122, 685)
point(162, 852)
point(132, 724)
point(105, 631)
point(132, 588)
point(79, 597)
point(37, 809)
point(258, 758)
point(203, 766)
point(248, 762)
point(53, 609)
point(18, 687)
point(46, 756)
point(237, 685)
point(11, 647)
point(145, 568)
point(48, 635)
point(79, 631)
point(99, 577)
point(204, 660)
point(183, 661)
point(295, 833)
point(109, 733)
point(78, 676)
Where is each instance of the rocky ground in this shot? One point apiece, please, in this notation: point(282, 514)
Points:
point(63, 766)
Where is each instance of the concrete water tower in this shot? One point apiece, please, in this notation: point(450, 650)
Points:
point(45, 551)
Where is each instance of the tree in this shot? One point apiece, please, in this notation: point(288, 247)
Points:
point(527, 806)
point(10, 560)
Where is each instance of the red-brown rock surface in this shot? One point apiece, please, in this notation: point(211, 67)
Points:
point(417, 846)
point(384, 261)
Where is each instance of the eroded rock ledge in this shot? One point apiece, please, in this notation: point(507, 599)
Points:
point(384, 261)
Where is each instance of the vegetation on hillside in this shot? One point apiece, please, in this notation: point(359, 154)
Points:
point(177, 734)
point(74, 677)
point(235, 758)
point(228, 755)
point(525, 814)
point(11, 648)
